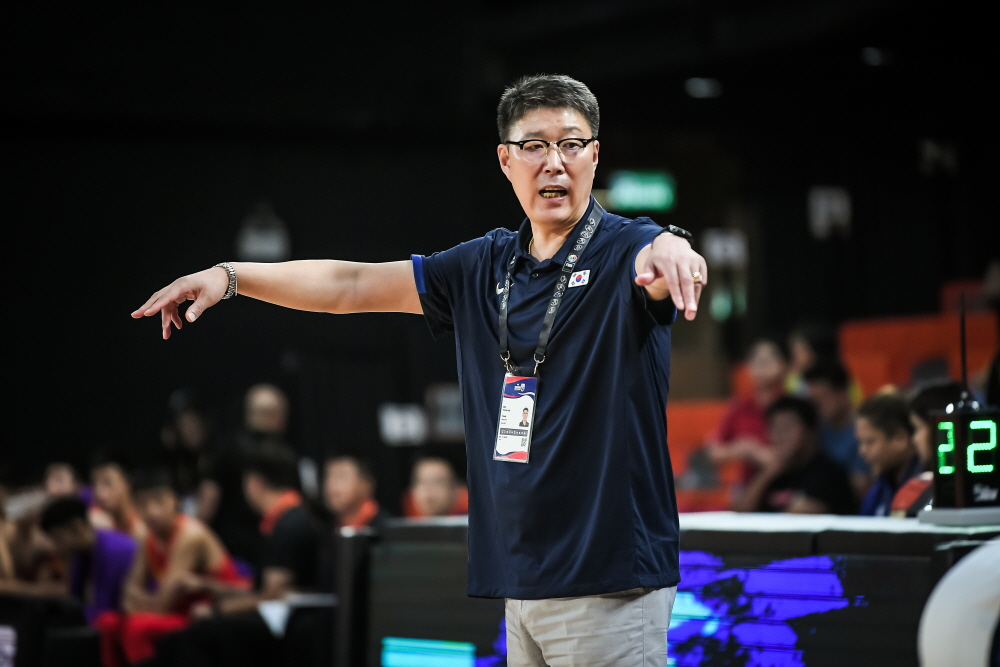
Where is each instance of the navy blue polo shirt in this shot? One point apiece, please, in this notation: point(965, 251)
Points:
point(593, 511)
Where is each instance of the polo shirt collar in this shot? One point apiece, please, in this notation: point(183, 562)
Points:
point(524, 236)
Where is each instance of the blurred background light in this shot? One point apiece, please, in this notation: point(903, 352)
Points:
point(703, 88)
point(641, 191)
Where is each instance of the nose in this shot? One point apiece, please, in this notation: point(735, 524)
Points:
point(553, 160)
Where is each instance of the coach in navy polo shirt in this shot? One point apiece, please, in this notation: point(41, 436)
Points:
point(571, 519)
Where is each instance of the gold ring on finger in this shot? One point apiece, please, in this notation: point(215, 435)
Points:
point(696, 276)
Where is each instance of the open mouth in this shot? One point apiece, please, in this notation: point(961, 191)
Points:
point(552, 193)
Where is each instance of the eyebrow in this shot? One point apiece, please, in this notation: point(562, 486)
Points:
point(565, 130)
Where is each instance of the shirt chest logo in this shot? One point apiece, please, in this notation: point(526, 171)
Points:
point(579, 278)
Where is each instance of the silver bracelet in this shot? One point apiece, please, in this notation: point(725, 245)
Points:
point(231, 290)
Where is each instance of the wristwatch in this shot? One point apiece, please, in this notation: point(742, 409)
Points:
point(677, 231)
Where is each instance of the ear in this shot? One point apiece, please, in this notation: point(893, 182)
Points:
point(503, 154)
point(597, 149)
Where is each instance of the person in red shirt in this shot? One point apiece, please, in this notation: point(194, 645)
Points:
point(742, 435)
point(167, 576)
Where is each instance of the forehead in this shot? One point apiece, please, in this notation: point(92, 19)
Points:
point(342, 468)
point(156, 493)
point(551, 123)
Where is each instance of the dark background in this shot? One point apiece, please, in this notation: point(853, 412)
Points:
point(136, 140)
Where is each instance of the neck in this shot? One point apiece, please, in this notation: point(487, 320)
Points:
point(765, 395)
point(546, 241)
point(548, 237)
point(268, 499)
point(845, 417)
point(898, 472)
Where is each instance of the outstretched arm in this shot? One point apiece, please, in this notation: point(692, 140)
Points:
point(316, 285)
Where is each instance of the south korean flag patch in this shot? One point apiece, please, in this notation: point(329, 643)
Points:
point(579, 278)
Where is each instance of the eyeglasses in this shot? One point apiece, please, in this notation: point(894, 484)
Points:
point(536, 150)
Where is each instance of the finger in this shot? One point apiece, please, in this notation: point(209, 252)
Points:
point(703, 267)
point(196, 309)
point(141, 310)
point(674, 287)
point(687, 285)
point(175, 317)
point(647, 277)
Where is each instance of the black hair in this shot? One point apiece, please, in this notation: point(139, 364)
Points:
point(935, 397)
point(830, 371)
point(822, 338)
point(63, 512)
point(276, 464)
point(888, 413)
point(803, 409)
point(149, 479)
point(112, 457)
point(545, 91)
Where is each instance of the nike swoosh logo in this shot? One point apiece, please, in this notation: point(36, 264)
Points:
point(499, 288)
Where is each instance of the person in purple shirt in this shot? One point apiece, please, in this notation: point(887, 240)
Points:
point(99, 559)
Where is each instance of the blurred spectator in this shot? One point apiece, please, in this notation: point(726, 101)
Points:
point(798, 476)
point(918, 492)
point(99, 559)
point(435, 489)
point(61, 480)
point(113, 497)
point(232, 629)
point(167, 576)
point(349, 491)
point(742, 435)
point(265, 420)
point(808, 343)
point(829, 389)
point(186, 438)
point(930, 399)
point(886, 443)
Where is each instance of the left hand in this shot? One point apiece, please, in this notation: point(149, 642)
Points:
point(670, 266)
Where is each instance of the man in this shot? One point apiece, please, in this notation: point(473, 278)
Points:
point(231, 629)
point(99, 559)
point(167, 576)
point(742, 434)
point(885, 440)
point(434, 489)
point(576, 526)
point(113, 497)
point(349, 493)
point(829, 388)
point(799, 477)
point(265, 420)
point(524, 418)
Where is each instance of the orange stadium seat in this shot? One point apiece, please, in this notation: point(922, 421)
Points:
point(882, 352)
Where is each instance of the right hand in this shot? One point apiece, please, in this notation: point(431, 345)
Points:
point(206, 288)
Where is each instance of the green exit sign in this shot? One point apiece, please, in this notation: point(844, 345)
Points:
point(641, 191)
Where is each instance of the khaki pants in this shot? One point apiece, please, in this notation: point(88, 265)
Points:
point(625, 629)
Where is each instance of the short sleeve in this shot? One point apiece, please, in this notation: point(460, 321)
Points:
point(633, 237)
point(440, 280)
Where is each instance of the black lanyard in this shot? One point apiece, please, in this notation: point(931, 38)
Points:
point(588, 231)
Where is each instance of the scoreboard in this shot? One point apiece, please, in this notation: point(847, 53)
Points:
point(967, 473)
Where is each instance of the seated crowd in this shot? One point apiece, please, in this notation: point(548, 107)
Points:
point(804, 443)
point(171, 563)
